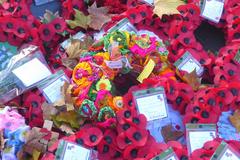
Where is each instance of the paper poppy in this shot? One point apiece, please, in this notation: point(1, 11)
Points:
point(46, 32)
point(125, 115)
point(59, 25)
point(137, 136)
point(123, 141)
point(21, 30)
point(105, 150)
point(33, 37)
point(14, 40)
point(131, 152)
point(92, 136)
point(139, 121)
point(8, 24)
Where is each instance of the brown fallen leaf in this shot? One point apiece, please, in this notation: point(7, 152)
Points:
point(75, 50)
point(99, 16)
point(192, 79)
point(80, 20)
point(235, 120)
point(168, 7)
point(169, 134)
point(77, 47)
point(48, 111)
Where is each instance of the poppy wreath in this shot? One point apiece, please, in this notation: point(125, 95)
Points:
point(99, 72)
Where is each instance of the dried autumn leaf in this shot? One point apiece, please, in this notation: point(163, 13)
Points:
point(69, 117)
point(48, 111)
point(66, 95)
point(33, 141)
point(77, 47)
point(80, 20)
point(162, 7)
point(192, 79)
point(70, 63)
point(235, 120)
point(99, 16)
point(170, 134)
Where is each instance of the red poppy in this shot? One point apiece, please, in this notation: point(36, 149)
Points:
point(187, 40)
point(224, 96)
point(234, 34)
point(139, 121)
point(59, 25)
point(229, 49)
point(105, 151)
point(33, 37)
point(46, 32)
point(125, 115)
point(123, 127)
point(92, 136)
point(14, 40)
point(8, 24)
point(21, 30)
point(131, 152)
point(227, 72)
point(138, 137)
point(123, 141)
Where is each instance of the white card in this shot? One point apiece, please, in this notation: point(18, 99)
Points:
point(229, 155)
point(213, 10)
point(153, 107)
point(32, 72)
point(74, 152)
point(53, 91)
point(198, 138)
point(189, 66)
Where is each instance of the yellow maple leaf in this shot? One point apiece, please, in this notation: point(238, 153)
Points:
point(162, 7)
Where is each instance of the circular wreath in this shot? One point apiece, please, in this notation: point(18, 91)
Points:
point(202, 106)
point(97, 99)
